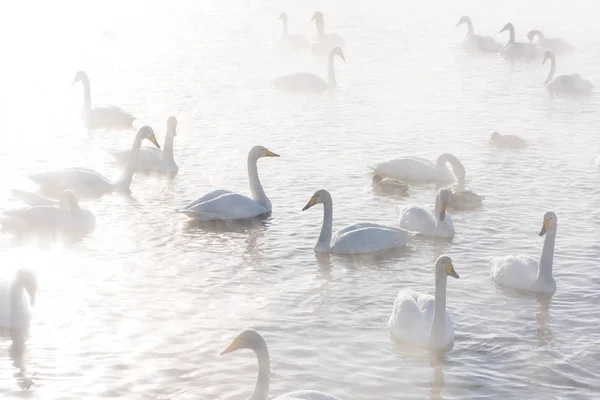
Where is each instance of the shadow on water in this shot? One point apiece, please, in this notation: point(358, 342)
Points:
point(18, 355)
point(193, 226)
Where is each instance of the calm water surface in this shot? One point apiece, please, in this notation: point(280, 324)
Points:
point(142, 308)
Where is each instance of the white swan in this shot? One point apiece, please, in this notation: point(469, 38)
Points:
point(520, 50)
point(357, 238)
point(565, 84)
point(33, 199)
point(485, 44)
point(250, 339)
point(288, 41)
point(322, 43)
point(303, 82)
point(416, 169)
point(430, 221)
point(88, 183)
point(465, 200)
point(382, 185)
point(225, 205)
point(17, 296)
point(507, 141)
point(527, 273)
point(109, 117)
point(422, 320)
point(555, 45)
point(153, 159)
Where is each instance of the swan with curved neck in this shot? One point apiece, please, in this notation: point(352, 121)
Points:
point(565, 84)
point(323, 42)
point(309, 83)
point(109, 117)
point(225, 205)
point(422, 320)
point(89, 183)
point(480, 43)
point(16, 299)
point(555, 45)
point(519, 50)
point(427, 221)
point(250, 339)
point(420, 170)
point(527, 273)
point(357, 238)
point(293, 42)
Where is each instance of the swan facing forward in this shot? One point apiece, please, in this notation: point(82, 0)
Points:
point(109, 117)
point(88, 183)
point(322, 43)
point(250, 339)
point(303, 82)
point(17, 296)
point(473, 42)
point(422, 320)
point(415, 169)
point(520, 50)
point(225, 205)
point(507, 141)
point(527, 273)
point(153, 159)
point(555, 45)
point(430, 221)
point(565, 84)
point(358, 238)
point(288, 41)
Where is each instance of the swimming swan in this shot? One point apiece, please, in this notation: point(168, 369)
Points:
point(250, 339)
point(507, 141)
point(288, 41)
point(382, 185)
point(109, 117)
point(322, 43)
point(357, 238)
point(565, 84)
point(416, 169)
point(520, 50)
point(88, 183)
point(527, 273)
point(485, 44)
point(465, 200)
point(17, 296)
point(225, 205)
point(555, 45)
point(422, 320)
point(430, 221)
point(153, 159)
point(303, 82)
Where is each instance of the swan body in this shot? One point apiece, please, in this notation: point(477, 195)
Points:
point(226, 205)
point(484, 44)
point(17, 297)
point(415, 169)
point(358, 238)
point(465, 200)
point(520, 50)
point(388, 186)
point(565, 84)
point(430, 221)
point(289, 41)
point(250, 339)
point(507, 141)
point(152, 159)
point(109, 117)
point(309, 83)
point(322, 43)
point(421, 319)
point(527, 273)
point(86, 182)
point(555, 45)
point(33, 199)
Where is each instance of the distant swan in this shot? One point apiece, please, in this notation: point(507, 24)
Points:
point(309, 83)
point(289, 41)
point(322, 43)
point(416, 169)
point(465, 200)
point(225, 205)
point(555, 45)
point(422, 320)
point(357, 238)
point(250, 339)
point(485, 44)
point(382, 185)
point(89, 183)
point(430, 221)
point(17, 296)
point(520, 50)
point(565, 84)
point(109, 117)
point(507, 141)
point(527, 273)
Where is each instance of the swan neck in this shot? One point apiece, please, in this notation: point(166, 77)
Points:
point(512, 35)
point(438, 325)
point(256, 189)
point(552, 69)
point(87, 95)
point(469, 28)
point(324, 241)
point(125, 181)
point(437, 208)
point(320, 27)
point(447, 158)
point(168, 147)
point(284, 27)
point(547, 256)
point(261, 390)
point(331, 72)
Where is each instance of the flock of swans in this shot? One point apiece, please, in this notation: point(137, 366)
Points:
point(416, 317)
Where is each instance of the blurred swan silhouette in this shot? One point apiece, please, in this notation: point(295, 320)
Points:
point(288, 41)
point(322, 43)
point(565, 84)
point(303, 82)
point(555, 45)
point(473, 42)
point(520, 50)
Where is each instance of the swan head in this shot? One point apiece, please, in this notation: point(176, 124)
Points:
point(337, 51)
point(260, 151)
point(147, 133)
point(495, 137)
point(27, 279)
point(444, 267)
point(532, 34)
point(320, 196)
point(283, 17)
point(80, 76)
point(68, 201)
point(548, 55)
point(317, 16)
point(249, 339)
point(549, 222)
point(376, 179)
point(444, 197)
point(463, 20)
point(172, 125)
point(508, 27)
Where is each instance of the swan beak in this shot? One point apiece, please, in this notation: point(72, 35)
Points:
point(443, 213)
point(450, 271)
point(269, 153)
point(312, 202)
point(545, 227)
point(235, 345)
point(154, 141)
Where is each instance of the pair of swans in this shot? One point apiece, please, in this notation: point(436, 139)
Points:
point(291, 42)
point(252, 340)
point(555, 45)
point(153, 159)
point(507, 141)
point(523, 51)
point(565, 84)
point(303, 82)
point(109, 117)
point(17, 297)
point(89, 183)
point(226, 206)
point(473, 42)
point(322, 43)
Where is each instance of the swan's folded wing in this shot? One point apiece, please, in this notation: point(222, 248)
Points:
point(32, 199)
point(37, 218)
point(411, 317)
point(224, 206)
point(206, 197)
point(417, 219)
point(412, 169)
point(301, 82)
point(368, 238)
point(518, 272)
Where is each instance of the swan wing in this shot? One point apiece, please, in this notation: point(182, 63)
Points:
point(32, 199)
point(412, 169)
point(518, 272)
point(368, 238)
point(148, 159)
point(417, 219)
point(411, 317)
point(301, 82)
point(110, 117)
point(83, 181)
point(226, 206)
point(37, 218)
point(486, 44)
